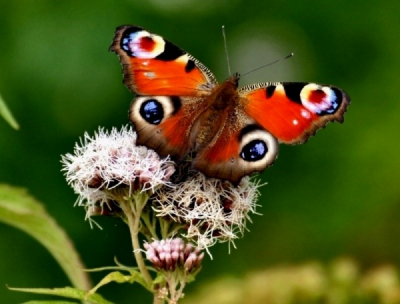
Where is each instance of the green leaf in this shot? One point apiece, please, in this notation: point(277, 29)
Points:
point(160, 279)
point(119, 277)
point(20, 210)
point(5, 112)
point(66, 292)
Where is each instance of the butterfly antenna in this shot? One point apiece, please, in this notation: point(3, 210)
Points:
point(271, 63)
point(226, 50)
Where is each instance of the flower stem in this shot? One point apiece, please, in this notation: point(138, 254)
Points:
point(132, 211)
point(164, 227)
point(150, 226)
point(157, 299)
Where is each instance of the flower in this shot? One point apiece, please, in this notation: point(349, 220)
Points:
point(113, 176)
point(109, 166)
point(177, 262)
point(173, 254)
point(212, 210)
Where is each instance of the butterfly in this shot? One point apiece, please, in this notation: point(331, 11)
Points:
point(180, 108)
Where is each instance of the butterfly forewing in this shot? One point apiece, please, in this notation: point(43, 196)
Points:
point(155, 66)
point(293, 112)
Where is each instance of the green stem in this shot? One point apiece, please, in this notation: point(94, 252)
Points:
point(164, 227)
point(150, 226)
point(157, 299)
point(175, 229)
point(133, 213)
point(169, 228)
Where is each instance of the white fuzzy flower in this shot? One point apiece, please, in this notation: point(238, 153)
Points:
point(109, 166)
point(212, 210)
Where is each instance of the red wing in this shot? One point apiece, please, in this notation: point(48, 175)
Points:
point(155, 66)
point(292, 112)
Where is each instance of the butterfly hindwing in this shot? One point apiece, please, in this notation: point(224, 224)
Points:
point(293, 112)
point(232, 156)
point(165, 123)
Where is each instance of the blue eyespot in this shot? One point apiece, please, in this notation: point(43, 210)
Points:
point(152, 111)
point(254, 150)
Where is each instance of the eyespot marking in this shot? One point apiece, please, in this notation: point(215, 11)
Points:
point(142, 44)
point(254, 150)
point(152, 111)
point(321, 100)
point(258, 148)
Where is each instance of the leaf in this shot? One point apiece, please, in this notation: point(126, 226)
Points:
point(20, 210)
point(119, 277)
point(192, 276)
point(5, 112)
point(160, 279)
point(66, 292)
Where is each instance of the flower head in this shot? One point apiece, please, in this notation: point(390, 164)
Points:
point(178, 262)
point(171, 254)
point(109, 164)
point(212, 210)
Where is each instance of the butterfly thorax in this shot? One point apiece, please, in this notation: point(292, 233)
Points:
point(221, 105)
point(225, 94)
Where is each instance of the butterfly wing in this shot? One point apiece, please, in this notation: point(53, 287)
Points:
point(155, 66)
point(263, 115)
point(165, 123)
point(239, 149)
point(293, 112)
point(170, 85)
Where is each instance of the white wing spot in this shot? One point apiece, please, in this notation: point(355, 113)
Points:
point(306, 114)
point(149, 74)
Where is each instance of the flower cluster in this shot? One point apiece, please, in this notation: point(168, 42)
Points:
point(113, 176)
point(170, 254)
point(210, 209)
point(177, 261)
point(110, 165)
point(109, 168)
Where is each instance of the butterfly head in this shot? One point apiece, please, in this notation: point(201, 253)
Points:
point(235, 79)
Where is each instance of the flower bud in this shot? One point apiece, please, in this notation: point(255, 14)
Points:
point(173, 254)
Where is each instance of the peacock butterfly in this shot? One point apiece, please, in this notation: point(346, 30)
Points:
point(180, 108)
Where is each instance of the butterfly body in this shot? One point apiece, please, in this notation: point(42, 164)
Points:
point(219, 109)
point(180, 108)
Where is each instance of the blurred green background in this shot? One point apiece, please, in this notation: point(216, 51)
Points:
point(337, 195)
